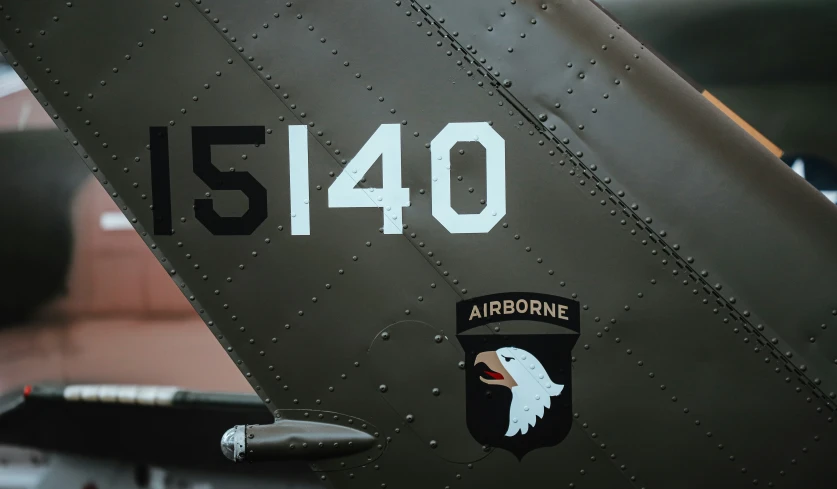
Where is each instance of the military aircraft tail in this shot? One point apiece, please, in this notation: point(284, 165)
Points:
point(327, 181)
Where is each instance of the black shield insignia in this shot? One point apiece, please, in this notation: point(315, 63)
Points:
point(518, 361)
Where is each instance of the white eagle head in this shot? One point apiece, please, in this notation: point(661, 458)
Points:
point(529, 382)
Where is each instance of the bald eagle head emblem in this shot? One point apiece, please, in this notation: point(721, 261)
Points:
point(531, 387)
point(518, 362)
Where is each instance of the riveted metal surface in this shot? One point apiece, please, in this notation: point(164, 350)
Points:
point(599, 82)
point(678, 370)
point(642, 425)
point(421, 80)
point(327, 464)
point(272, 49)
point(289, 385)
point(428, 388)
point(584, 220)
point(762, 444)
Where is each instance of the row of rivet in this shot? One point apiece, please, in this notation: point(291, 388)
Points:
point(648, 220)
point(663, 387)
point(319, 134)
point(617, 197)
point(633, 206)
point(328, 143)
point(517, 236)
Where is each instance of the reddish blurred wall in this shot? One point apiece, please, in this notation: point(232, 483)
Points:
point(123, 320)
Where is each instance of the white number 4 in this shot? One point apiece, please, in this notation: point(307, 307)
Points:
point(386, 143)
point(392, 198)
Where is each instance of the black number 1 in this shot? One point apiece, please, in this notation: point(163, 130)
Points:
point(203, 138)
point(160, 182)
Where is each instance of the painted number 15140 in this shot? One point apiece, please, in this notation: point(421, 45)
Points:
point(391, 197)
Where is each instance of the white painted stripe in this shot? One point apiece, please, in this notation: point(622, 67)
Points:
point(108, 393)
point(114, 221)
point(298, 169)
point(72, 393)
point(145, 396)
point(123, 394)
point(89, 393)
point(127, 394)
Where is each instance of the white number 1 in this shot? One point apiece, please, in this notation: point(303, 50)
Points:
point(298, 169)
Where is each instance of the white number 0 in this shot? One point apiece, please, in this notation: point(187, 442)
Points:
point(495, 176)
point(392, 198)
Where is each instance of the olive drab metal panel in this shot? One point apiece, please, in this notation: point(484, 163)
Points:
point(327, 180)
point(412, 343)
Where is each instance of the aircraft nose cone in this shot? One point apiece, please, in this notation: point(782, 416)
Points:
point(232, 443)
